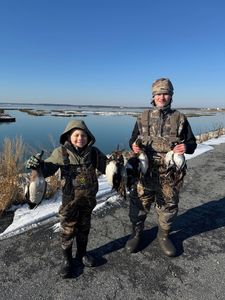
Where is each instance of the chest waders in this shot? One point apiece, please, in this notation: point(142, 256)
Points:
point(159, 133)
point(79, 187)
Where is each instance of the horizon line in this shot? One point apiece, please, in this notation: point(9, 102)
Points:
point(99, 105)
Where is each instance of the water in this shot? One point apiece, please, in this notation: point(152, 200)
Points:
point(207, 123)
point(42, 132)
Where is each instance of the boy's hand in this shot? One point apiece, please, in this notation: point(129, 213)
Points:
point(34, 161)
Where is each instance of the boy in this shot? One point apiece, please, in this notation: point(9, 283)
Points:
point(77, 160)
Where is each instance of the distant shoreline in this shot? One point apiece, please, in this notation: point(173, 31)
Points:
point(103, 106)
point(84, 113)
point(60, 110)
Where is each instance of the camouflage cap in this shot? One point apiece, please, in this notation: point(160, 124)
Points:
point(162, 86)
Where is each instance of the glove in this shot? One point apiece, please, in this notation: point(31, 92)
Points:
point(34, 161)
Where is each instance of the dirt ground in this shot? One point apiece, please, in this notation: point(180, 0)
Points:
point(29, 263)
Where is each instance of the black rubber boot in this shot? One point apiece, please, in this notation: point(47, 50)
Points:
point(67, 262)
point(135, 238)
point(82, 256)
point(165, 242)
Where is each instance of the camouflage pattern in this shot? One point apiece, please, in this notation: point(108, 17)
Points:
point(75, 218)
point(78, 181)
point(158, 136)
point(78, 201)
point(160, 188)
point(162, 86)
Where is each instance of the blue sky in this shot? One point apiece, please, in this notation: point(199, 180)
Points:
point(108, 52)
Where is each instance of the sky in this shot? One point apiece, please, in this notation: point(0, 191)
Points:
point(26, 219)
point(108, 52)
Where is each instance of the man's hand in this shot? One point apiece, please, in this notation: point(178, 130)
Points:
point(179, 149)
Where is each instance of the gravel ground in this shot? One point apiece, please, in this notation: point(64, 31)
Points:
point(29, 263)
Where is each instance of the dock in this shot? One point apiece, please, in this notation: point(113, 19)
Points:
point(6, 117)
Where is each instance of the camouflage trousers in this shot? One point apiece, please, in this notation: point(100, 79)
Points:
point(75, 218)
point(158, 189)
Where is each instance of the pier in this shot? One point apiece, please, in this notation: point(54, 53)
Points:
point(6, 117)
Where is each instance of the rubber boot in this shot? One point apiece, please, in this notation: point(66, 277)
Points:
point(165, 242)
point(67, 262)
point(135, 238)
point(82, 256)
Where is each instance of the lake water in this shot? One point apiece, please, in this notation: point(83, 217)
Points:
point(42, 132)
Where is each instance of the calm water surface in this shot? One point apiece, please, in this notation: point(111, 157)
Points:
point(42, 132)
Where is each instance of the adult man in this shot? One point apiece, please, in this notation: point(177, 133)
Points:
point(156, 132)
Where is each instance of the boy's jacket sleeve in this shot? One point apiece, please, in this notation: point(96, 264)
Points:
point(51, 164)
point(101, 160)
point(55, 160)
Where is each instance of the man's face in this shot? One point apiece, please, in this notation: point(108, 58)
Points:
point(79, 138)
point(162, 100)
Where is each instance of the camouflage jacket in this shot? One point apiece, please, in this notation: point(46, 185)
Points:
point(77, 169)
point(160, 130)
point(77, 166)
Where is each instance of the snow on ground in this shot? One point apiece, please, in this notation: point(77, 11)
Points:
point(26, 219)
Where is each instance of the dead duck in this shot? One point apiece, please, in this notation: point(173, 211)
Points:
point(115, 171)
point(175, 161)
point(124, 169)
point(36, 187)
point(136, 167)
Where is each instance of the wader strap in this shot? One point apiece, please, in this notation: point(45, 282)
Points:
point(174, 124)
point(65, 155)
point(145, 120)
point(66, 161)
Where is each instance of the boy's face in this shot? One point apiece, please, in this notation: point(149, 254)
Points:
point(79, 138)
point(162, 100)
